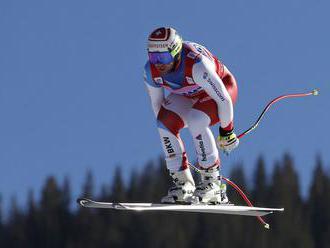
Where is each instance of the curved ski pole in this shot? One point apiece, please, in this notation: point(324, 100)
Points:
point(231, 183)
point(314, 92)
point(241, 193)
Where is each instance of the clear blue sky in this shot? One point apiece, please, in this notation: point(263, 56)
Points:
point(72, 95)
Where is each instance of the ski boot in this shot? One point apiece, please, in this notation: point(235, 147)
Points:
point(210, 190)
point(182, 190)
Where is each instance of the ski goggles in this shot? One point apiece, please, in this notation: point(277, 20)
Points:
point(160, 57)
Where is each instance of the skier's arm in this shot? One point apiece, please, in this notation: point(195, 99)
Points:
point(155, 92)
point(228, 78)
point(204, 74)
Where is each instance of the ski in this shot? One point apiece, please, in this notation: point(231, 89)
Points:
point(197, 208)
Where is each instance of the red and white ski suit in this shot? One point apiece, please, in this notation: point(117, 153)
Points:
point(202, 92)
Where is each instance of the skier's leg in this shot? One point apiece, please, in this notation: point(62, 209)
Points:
point(204, 114)
point(205, 146)
point(171, 119)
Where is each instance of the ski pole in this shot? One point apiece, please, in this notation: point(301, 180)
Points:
point(314, 92)
point(241, 193)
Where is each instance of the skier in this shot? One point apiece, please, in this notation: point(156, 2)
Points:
point(202, 92)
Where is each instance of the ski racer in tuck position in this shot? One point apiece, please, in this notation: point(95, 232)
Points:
point(202, 92)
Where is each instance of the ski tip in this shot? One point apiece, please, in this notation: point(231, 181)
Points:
point(82, 201)
point(79, 200)
point(316, 92)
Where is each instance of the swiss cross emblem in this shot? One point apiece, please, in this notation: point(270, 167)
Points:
point(159, 34)
point(158, 80)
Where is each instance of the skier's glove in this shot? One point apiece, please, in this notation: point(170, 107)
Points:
point(227, 140)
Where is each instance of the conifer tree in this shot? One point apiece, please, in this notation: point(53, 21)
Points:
point(289, 226)
point(118, 189)
point(319, 204)
point(163, 179)
point(237, 175)
point(147, 183)
point(51, 213)
point(261, 187)
point(66, 218)
point(88, 224)
point(133, 190)
point(237, 224)
point(32, 219)
point(135, 238)
point(116, 222)
point(260, 197)
point(51, 222)
point(2, 228)
point(16, 226)
point(88, 187)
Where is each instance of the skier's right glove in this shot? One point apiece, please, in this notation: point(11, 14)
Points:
point(227, 140)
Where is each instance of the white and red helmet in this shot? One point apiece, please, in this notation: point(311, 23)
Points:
point(165, 39)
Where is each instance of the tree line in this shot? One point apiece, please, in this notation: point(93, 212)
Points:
point(51, 222)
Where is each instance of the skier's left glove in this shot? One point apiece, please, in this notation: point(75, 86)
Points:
point(227, 140)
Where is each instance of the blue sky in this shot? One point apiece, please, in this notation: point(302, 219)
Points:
point(72, 95)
